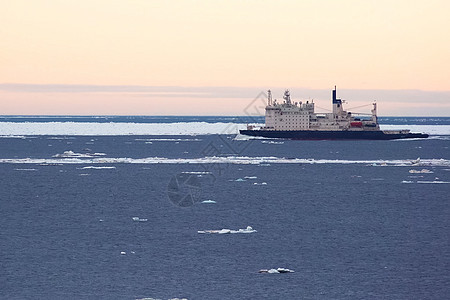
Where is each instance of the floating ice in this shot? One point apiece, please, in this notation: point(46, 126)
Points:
point(123, 253)
point(168, 140)
point(262, 183)
point(97, 168)
point(238, 160)
point(423, 171)
point(407, 181)
point(197, 173)
point(272, 142)
point(137, 219)
point(209, 202)
point(60, 138)
point(239, 180)
point(93, 128)
point(241, 137)
point(429, 129)
point(249, 229)
point(181, 128)
point(435, 181)
point(71, 154)
point(25, 169)
point(276, 271)
point(12, 137)
point(250, 177)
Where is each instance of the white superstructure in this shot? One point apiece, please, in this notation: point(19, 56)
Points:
point(301, 116)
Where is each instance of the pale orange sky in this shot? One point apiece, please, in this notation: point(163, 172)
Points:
point(314, 45)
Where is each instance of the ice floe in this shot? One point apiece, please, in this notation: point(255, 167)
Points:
point(12, 136)
point(250, 177)
point(436, 181)
point(272, 142)
point(208, 202)
point(249, 229)
point(240, 180)
point(137, 219)
point(98, 168)
point(260, 183)
point(93, 128)
point(168, 140)
point(241, 137)
point(25, 169)
point(423, 171)
point(197, 173)
point(429, 129)
point(71, 154)
point(181, 128)
point(276, 271)
point(238, 160)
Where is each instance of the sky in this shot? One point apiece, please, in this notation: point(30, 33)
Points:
point(187, 57)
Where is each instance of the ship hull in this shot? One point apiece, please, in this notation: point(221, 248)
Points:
point(331, 135)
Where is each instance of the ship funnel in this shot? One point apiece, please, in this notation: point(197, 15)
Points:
point(334, 95)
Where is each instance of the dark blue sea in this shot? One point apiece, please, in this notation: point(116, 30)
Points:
point(117, 217)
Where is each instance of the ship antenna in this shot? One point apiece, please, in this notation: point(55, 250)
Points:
point(269, 97)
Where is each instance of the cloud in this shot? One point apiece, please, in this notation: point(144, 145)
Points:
point(297, 94)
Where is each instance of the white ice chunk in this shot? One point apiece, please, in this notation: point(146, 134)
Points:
point(71, 154)
point(238, 160)
point(423, 171)
point(209, 202)
point(276, 271)
point(272, 142)
point(197, 173)
point(98, 168)
point(435, 181)
point(249, 229)
point(284, 270)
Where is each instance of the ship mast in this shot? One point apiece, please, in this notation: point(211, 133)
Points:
point(269, 98)
point(374, 113)
point(287, 97)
